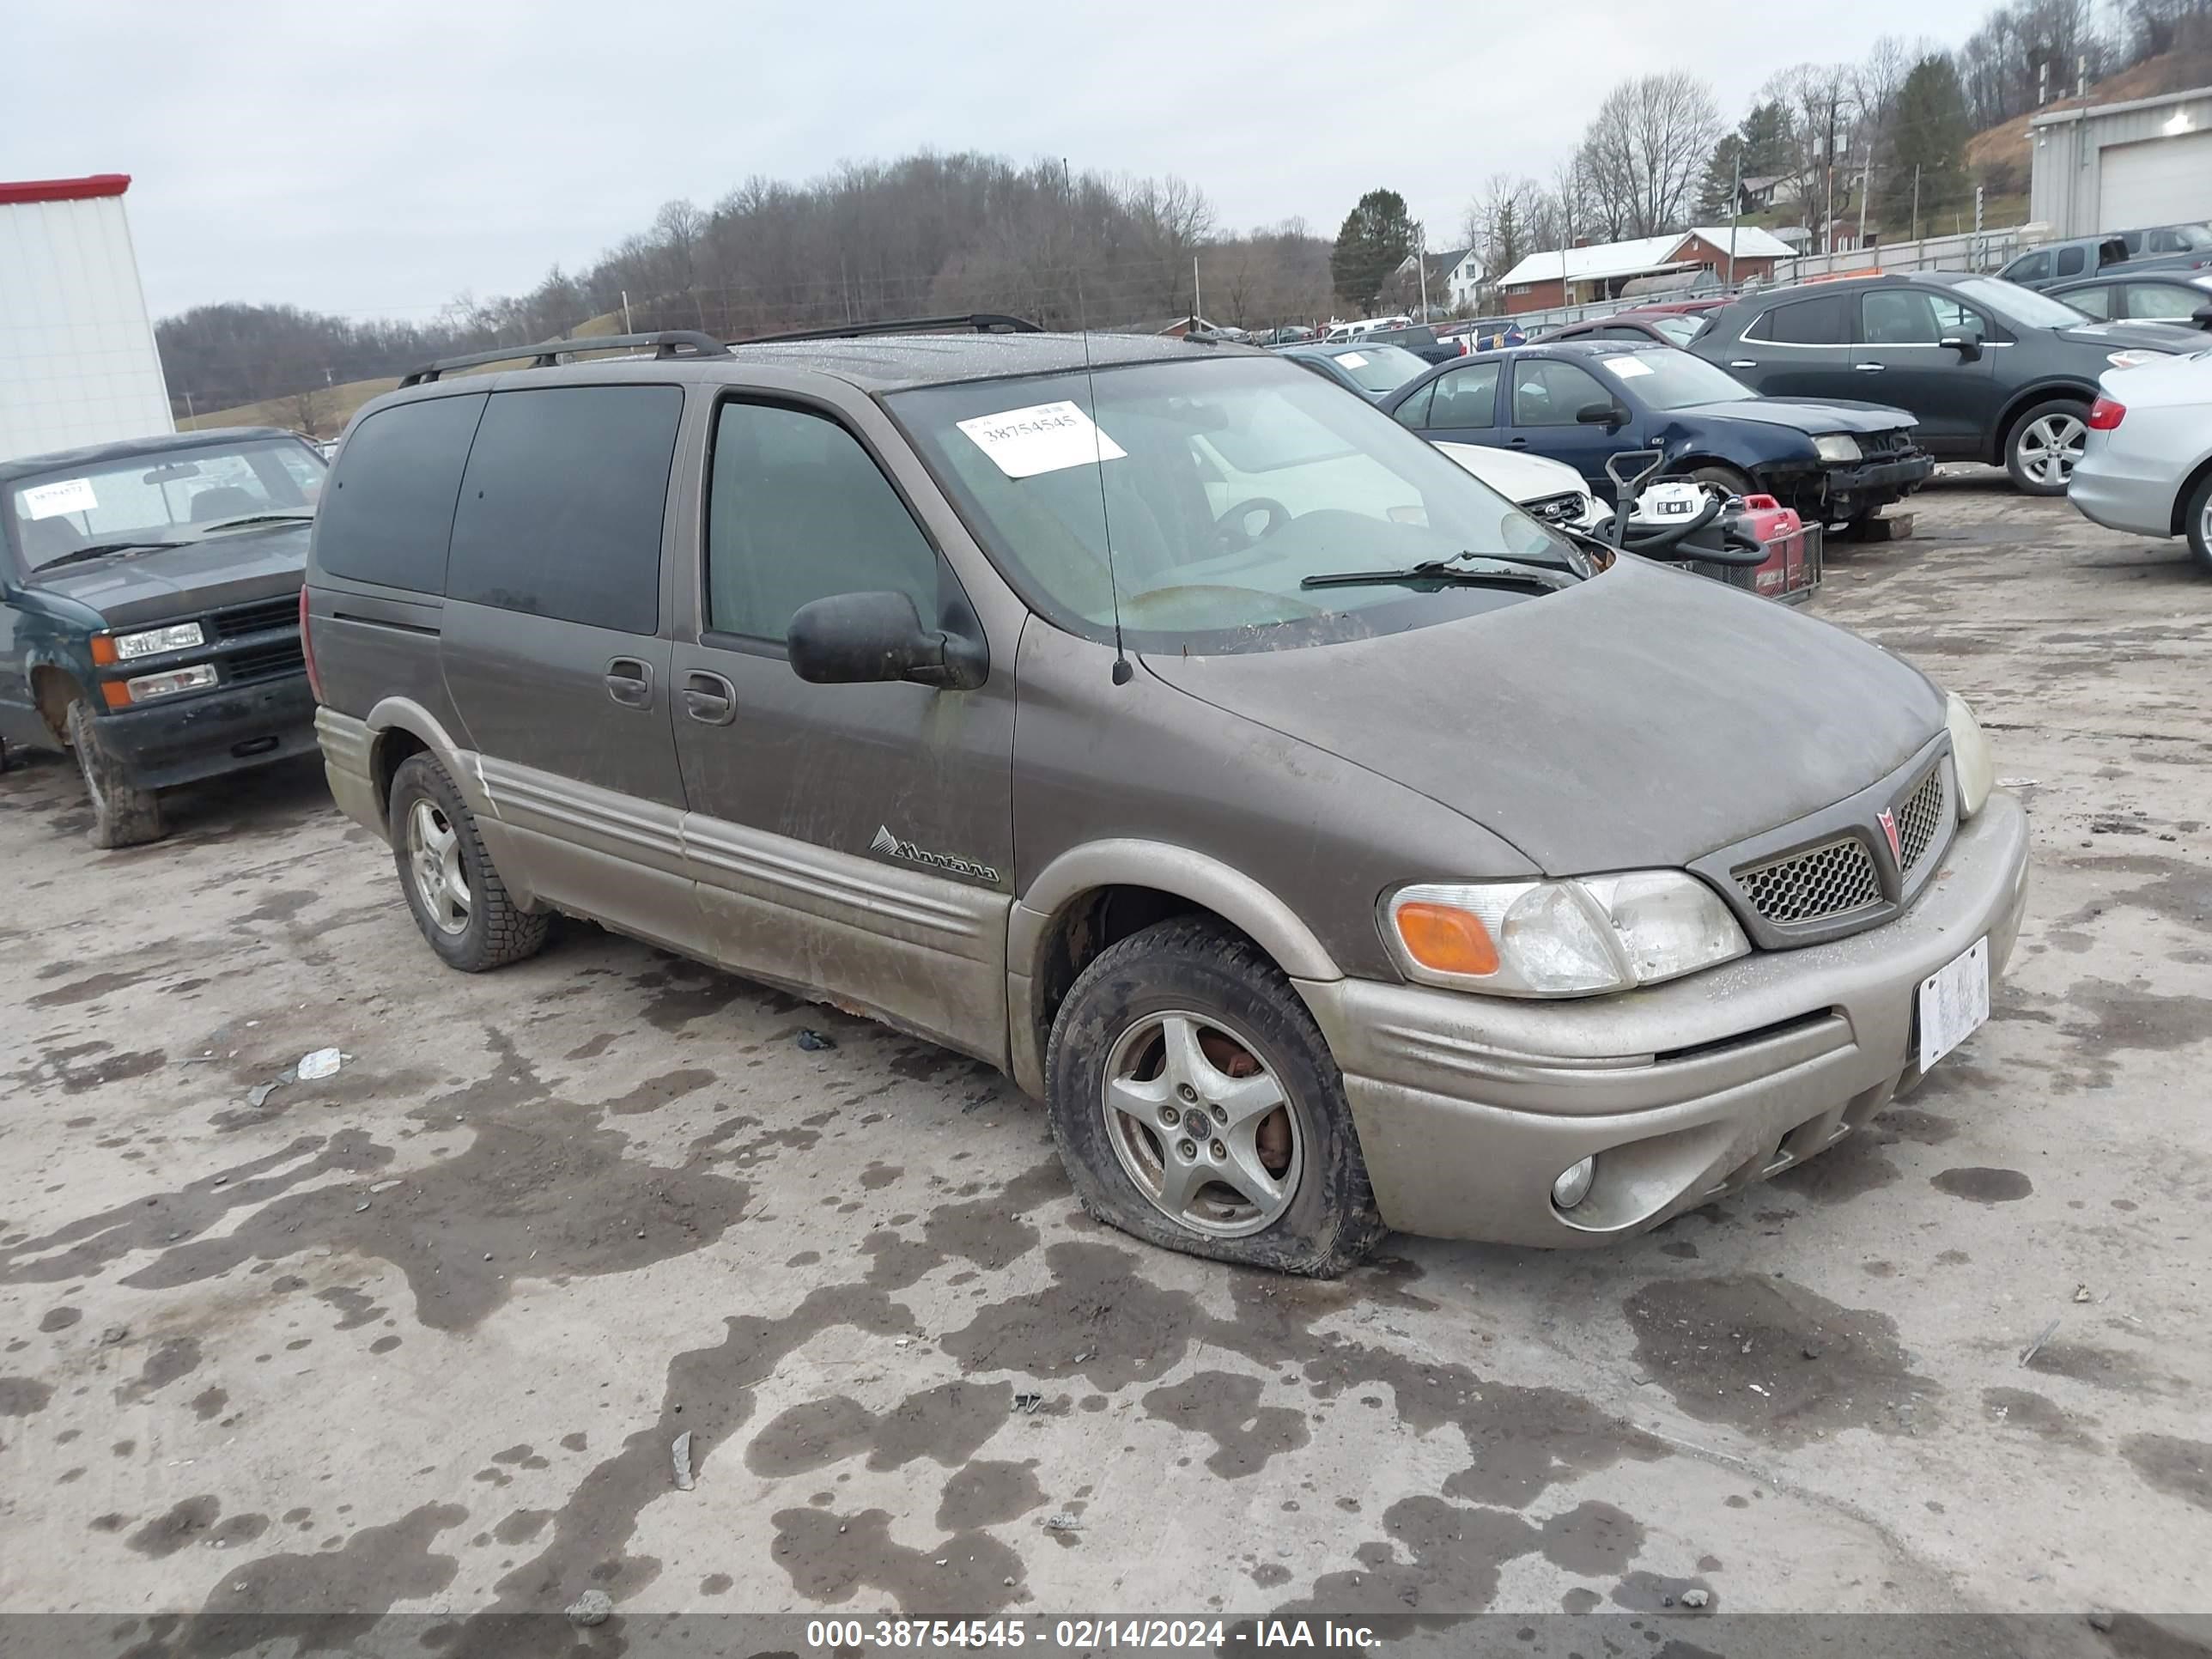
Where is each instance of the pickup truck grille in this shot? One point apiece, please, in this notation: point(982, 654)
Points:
point(259, 617)
point(1820, 884)
point(265, 662)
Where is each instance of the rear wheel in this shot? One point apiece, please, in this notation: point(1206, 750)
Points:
point(458, 901)
point(1197, 1106)
point(123, 815)
point(2196, 522)
point(2046, 443)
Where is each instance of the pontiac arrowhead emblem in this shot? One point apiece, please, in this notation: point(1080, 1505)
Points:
point(1888, 822)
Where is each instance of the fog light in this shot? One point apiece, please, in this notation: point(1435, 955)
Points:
point(147, 687)
point(1573, 1187)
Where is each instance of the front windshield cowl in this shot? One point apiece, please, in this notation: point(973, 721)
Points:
point(1203, 495)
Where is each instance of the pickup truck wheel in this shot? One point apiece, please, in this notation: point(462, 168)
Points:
point(123, 815)
point(1197, 1106)
point(2196, 522)
point(458, 901)
point(2045, 442)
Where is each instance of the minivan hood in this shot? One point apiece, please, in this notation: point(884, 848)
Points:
point(2126, 335)
point(1644, 718)
point(1805, 414)
point(232, 567)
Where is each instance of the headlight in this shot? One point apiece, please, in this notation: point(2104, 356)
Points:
point(147, 687)
point(1970, 754)
point(1560, 938)
point(1838, 446)
point(153, 641)
point(2132, 359)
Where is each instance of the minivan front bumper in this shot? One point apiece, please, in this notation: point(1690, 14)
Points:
point(1469, 1107)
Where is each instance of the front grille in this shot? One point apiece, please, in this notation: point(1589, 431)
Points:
point(265, 662)
point(1885, 445)
point(257, 618)
point(1563, 508)
point(1833, 879)
point(1921, 818)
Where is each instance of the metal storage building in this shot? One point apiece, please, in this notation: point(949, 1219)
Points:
point(78, 364)
point(2117, 167)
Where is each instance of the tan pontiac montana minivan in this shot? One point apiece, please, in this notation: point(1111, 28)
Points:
point(1331, 846)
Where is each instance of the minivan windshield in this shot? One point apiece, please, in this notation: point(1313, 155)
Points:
point(170, 495)
point(1675, 379)
point(2020, 305)
point(1224, 483)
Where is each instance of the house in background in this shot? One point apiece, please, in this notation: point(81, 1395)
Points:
point(1765, 193)
point(78, 364)
point(1454, 278)
point(1579, 275)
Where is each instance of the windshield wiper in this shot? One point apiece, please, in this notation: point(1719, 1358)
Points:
point(1466, 569)
point(101, 549)
point(261, 518)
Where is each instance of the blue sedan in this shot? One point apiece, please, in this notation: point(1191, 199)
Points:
point(1582, 401)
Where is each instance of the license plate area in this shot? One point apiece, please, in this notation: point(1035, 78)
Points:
point(1953, 1003)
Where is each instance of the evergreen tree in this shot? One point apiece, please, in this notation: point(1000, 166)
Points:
point(1375, 239)
point(1929, 133)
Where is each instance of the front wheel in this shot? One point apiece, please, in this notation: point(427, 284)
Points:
point(1197, 1106)
point(123, 814)
point(2197, 523)
point(2046, 443)
point(458, 899)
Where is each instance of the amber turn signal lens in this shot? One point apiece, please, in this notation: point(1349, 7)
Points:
point(103, 649)
point(1446, 941)
point(116, 693)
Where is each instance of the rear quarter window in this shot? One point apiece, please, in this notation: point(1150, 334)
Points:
point(387, 512)
point(562, 506)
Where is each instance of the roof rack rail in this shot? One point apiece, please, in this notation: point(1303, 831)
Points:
point(546, 354)
point(982, 322)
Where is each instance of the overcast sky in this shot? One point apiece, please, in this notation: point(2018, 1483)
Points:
point(383, 157)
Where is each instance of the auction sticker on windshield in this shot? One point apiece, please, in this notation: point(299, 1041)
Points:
point(1350, 360)
point(50, 501)
point(1627, 367)
point(1954, 1003)
point(1043, 438)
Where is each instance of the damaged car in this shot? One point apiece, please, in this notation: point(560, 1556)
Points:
point(149, 598)
point(1328, 844)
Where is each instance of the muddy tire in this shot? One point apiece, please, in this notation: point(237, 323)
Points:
point(455, 894)
point(1198, 1107)
point(2197, 523)
point(2044, 444)
point(123, 815)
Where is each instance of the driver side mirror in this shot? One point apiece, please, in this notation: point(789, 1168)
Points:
point(2202, 316)
point(1968, 346)
point(1608, 416)
point(852, 639)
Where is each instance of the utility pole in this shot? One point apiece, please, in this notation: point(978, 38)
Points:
point(627, 329)
point(1828, 189)
point(1421, 265)
point(1197, 311)
point(1866, 189)
point(1566, 236)
point(1735, 212)
point(1916, 201)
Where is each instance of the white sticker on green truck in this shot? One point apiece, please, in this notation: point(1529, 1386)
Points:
point(52, 501)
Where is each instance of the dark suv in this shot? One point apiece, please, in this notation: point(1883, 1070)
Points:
point(1329, 844)
point(1993, 372)
point(149, 613)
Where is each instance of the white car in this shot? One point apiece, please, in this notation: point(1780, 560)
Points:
point(1548, 490)
point(2147, 464)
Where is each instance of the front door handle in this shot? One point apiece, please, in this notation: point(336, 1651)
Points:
point(709, 699)
point(630, 682)
point(1741, 363)
point(1869, 369)
point(1517, 443)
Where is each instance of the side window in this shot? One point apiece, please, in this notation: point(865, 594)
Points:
point(1953, 320)
point(2033, 269)
point(2072, 261)
point(798, 511)
point(387, 514)
point(1898, 316)
point(2096, 301)
point(562, 506)
point(1467, 397)
point(1622, 331)
point(2164, 301)
point(1821, 321)
point(1547, 393)
point(1414, 411)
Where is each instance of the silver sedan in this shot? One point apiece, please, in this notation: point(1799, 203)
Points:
point(2147, 466)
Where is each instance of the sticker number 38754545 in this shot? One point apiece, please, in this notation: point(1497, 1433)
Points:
point(1041, 438)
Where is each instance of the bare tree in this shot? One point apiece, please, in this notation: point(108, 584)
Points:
point(1642, 154)
point(310, 408)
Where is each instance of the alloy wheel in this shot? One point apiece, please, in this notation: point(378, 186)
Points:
point(433, 858)
point(2051, 445)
